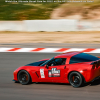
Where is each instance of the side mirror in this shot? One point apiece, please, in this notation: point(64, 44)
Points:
point(46, 66)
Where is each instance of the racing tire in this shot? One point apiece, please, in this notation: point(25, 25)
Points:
point(75, 79)
point(24, 77)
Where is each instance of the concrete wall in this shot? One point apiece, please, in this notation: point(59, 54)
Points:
point(85, 25)
point(50, 25)
point(11, 26)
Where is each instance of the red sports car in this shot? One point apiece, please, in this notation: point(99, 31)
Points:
point(75, 68)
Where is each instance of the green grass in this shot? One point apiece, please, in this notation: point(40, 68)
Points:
point(33, 11)
point(26, 11)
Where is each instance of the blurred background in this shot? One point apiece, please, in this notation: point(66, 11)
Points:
point(58, 9)
point(75, 19)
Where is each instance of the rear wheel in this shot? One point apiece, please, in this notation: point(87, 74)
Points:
point(75, 79)
point(24, 77)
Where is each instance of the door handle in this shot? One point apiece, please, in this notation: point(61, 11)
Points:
point(65, 67)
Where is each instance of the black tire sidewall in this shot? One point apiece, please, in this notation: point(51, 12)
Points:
point(80, 77)
point(28, 77)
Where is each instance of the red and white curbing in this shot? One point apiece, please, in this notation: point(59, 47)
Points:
point(50, 50)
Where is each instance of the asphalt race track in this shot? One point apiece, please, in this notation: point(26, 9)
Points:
point(40, 91)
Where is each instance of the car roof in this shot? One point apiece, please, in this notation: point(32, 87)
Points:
point(67, 54)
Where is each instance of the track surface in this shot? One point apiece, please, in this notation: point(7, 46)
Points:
point(50, 45)
point(41, 91)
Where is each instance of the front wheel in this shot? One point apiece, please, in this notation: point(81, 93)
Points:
point(24, 77)
point(75, 79)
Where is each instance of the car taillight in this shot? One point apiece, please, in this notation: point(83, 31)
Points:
point(95, 64)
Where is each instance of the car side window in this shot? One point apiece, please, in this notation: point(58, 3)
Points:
point(57, 61)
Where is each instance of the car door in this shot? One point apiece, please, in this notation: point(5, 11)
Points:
point(53, 71)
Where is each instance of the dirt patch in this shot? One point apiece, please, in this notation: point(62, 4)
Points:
point(77, 11)
point(50, 37)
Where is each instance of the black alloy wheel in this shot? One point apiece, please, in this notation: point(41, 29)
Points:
point(75, 79)
point(24, 77)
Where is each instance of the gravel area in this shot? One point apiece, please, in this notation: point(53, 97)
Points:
point(50, 37)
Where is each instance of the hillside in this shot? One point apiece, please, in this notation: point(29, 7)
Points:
point(77, 11)
point(26, 11)
point(47, 10)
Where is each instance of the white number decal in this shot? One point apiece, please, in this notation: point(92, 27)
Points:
point(42, 73)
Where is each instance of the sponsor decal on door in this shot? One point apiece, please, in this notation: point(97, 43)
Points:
point(54, 72)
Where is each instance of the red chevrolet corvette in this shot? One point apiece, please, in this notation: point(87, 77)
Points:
point(75, 68)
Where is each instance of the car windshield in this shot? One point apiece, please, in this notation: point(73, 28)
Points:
point(82, 57)
point(36, 63)
point(46, 62)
